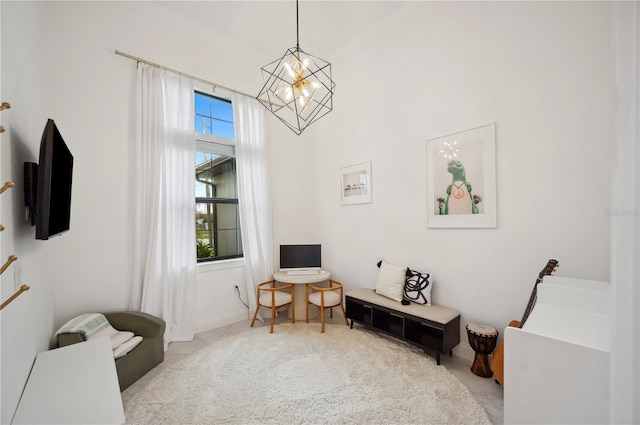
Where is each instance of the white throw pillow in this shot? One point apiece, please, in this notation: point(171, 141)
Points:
point(391, 281)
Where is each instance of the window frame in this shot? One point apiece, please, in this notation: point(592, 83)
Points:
point(209, 143)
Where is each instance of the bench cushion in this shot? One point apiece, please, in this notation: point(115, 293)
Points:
point(435, 313)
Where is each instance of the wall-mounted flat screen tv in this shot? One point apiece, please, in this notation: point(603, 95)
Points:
point(300, 257)
point(48, 185)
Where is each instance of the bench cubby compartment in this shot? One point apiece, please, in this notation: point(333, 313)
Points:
point(388, 321)
point(409, 323)
point(358, 311)
point(425, 334)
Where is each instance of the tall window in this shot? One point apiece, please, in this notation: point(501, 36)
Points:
point(217, 220)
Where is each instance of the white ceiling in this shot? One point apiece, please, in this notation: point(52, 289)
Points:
point(327, 28)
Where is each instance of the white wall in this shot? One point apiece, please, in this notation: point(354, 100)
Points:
point(218, 302)
point(27, 323)
point(542, 72)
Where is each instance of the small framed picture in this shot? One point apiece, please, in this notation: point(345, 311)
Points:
point(355, 184)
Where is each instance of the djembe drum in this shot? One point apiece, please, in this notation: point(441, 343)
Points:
point(482, 339)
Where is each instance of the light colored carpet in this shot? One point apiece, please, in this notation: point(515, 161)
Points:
point(299, 376)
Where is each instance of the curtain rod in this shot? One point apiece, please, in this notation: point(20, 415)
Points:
point(166, 68)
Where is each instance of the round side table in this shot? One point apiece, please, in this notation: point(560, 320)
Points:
point(482, 339)
point(300, 297)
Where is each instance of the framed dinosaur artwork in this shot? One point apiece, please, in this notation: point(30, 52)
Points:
point(461, 179)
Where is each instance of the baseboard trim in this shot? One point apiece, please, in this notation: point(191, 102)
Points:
point(219, 321)
point(465, 351)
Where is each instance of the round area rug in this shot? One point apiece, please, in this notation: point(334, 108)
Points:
point(299, 376)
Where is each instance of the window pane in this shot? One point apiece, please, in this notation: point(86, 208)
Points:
point(223, 129)
point(217, 219)
point(203, 104)
point(228, 236)
point(214, 116)
point(215, 176)
point(223, 110)
point(204, 231)
point(218, 231)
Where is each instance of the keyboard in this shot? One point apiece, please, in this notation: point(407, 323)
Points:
point(302, 272)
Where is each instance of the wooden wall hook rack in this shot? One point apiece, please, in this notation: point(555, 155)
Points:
point(7, 185)
point(1, 129)
point(10, 260)
point(1, 227)
point(5, 105)
point(14, 296)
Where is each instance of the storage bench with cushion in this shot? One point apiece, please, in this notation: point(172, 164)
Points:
point(434, 328)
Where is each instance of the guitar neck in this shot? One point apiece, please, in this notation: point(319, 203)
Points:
point(532, 301)
point(546, 271)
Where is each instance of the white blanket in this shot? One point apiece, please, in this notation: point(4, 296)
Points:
point(95, 325)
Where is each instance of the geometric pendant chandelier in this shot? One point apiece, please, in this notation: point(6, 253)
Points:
point(298, 88)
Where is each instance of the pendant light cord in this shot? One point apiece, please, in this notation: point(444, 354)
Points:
point(297, 28)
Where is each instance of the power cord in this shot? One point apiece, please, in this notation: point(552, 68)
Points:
point(240, 298)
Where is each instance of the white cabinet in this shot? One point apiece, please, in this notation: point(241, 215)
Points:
point(77, 384)
point(556, 367)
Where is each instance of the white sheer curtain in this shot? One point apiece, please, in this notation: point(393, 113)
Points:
point(624, 380)
point(164, 259)
point(254, 194)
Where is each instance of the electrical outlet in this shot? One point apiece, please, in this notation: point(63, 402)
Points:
point(17, 275)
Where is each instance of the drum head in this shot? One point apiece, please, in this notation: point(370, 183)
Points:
point(485, 330)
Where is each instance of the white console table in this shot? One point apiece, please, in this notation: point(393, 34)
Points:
point(300, 296)
point(76, 384)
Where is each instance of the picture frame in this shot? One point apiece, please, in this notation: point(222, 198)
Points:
point(355, 184)
point(461, 179)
